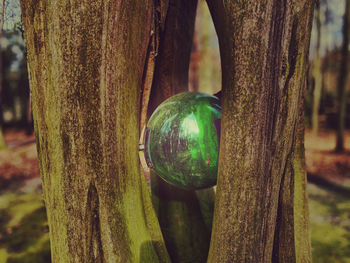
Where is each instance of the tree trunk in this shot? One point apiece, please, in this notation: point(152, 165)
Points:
point(172, 63)
point(86, 61)
point(179, 211)
point(292, 237)
point(264, 52)
point(184, 220)
point(317, 73)
point(341, 85)
point(302, 240)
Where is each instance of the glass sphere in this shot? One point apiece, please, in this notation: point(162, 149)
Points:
point(182, 140)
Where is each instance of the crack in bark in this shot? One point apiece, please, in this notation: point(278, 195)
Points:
point(292, 54)
point(158, 17)
point(282, 209)
point(274, 63)
point(94, 251)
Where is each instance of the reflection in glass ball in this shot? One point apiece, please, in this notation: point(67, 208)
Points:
point(181, 140)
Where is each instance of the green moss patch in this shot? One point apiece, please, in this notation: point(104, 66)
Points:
point(330, 226)
point(23, 228)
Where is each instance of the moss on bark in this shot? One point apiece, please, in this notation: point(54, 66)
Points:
point(264, 47)
point(86, 61)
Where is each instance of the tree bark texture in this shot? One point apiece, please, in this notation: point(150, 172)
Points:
point(185, 219)
point(292, 238)
point(302, 240)
point(341, 85)
point(264, 51)
point(317, 73)
point(183, 225)
point(159, 16)
point(172, 64)
point(86, 61)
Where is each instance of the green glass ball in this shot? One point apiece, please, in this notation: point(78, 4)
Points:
point(182, 140)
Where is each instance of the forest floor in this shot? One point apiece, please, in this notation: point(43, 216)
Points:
point(23, 225)
point(329, 197)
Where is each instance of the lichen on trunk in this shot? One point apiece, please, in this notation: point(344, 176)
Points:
point(264, 50)
point(86, 61)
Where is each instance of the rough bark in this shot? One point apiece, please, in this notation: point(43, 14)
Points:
point(292, 237)
point(171, 73)
point(179, 211)
point(159, 14)
point(341, 85)
point(302, 240)
point(317, 73)
point(264, 51)
point(86, 61)
point(185, 220)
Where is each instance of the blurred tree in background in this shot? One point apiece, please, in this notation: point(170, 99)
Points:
point(327, 97)
point(205, 68)
point(317, 70)
point(2, 141)
point(342, 80)
point(14, 91)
